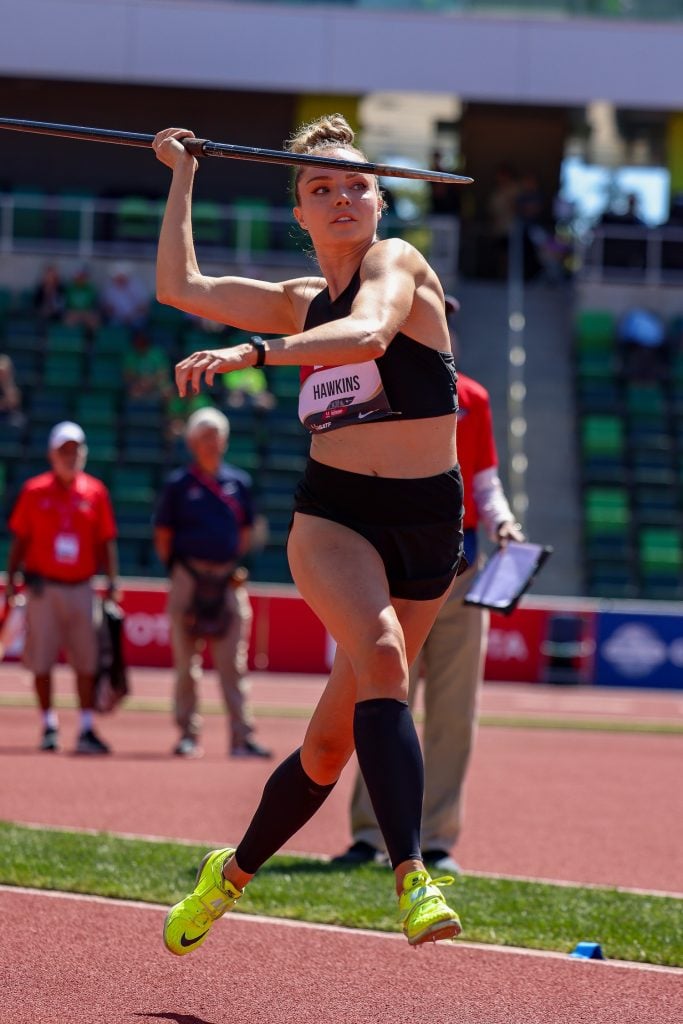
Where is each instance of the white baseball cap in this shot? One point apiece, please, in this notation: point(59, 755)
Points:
point(63, 432)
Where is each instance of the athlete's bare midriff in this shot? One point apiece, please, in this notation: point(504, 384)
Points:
point(409, 450)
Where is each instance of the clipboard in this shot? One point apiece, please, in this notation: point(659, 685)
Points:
point(507, 575)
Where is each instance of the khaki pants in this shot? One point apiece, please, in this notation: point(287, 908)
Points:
point(452, 661)
point(60, 615)
point(229, 654)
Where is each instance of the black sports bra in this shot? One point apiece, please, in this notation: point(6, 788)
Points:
point(409, 381)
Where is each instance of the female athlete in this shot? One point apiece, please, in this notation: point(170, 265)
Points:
point(376, 538)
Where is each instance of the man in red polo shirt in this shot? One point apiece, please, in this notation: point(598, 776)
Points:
point(64, 532)
point(452, 658)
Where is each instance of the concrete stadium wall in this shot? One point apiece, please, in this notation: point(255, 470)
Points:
point(348, 49)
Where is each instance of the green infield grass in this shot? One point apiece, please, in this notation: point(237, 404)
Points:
point(628, 925)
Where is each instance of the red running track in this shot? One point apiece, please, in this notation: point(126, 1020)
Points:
point(568, 805)
point(92, 961)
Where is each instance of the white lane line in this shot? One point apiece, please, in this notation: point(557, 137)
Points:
point(260, 919)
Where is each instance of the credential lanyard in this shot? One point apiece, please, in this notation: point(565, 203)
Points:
point(211, 485)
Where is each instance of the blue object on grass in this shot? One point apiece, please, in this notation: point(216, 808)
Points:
point(588, 951)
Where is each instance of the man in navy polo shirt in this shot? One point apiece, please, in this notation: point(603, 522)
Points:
point(202, 528)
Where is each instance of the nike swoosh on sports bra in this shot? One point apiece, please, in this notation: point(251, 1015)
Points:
point(409, 381)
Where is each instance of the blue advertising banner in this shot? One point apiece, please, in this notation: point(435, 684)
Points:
point(639, 649)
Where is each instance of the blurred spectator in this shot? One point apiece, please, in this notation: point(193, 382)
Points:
point(530, 207)
point(641, 334)
point(248, 387)
point(82, 301)
point(63, 533)
point(49, 297)
point(180, 409)
point(624, 249)
point(10, 395)
point(125, 298)
point(202, 528)
point(444, 198)
point(452, 658)
point(146, 369)
point(502, 211)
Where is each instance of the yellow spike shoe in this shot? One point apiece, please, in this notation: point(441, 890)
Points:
point(425, 915)
point(188, 923)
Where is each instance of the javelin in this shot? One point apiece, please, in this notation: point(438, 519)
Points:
point(204, 147)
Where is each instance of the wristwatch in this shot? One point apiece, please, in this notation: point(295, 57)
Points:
point(259, 344)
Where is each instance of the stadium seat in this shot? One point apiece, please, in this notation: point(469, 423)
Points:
point(602, 448)
point(62, 338)
point(661, 562)
point(105, 372)
point(102, 443)
point(657, 506)
point(27, 367)
point(606, 511)
point(595, 331)
point(63, 370)
point(207, 222)
point(69, 213)
point(137, 219)
point(111, 339)
point(133, 484)
point(29, 212)
point(11, 441)
point(251, 226)
point(96, 410)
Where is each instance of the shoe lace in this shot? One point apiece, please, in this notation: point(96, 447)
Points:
point(443, 880)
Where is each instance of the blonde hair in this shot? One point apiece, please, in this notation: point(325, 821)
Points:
point(331, 131)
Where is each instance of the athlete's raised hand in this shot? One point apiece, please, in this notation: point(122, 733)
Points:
point(168, 148)
point(207, 364)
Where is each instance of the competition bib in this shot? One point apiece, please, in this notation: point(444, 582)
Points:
point(339, 396)
point(67, 548)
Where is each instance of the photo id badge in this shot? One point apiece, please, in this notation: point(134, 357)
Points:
point(66, 548)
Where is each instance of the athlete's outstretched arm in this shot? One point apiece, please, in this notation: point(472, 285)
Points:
point(242, 302)
point(390, 274)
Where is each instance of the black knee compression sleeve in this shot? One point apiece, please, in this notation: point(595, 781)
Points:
point(390, 760)
point(290, 798)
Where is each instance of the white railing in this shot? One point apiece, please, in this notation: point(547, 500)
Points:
point(245, 235)
point(652, 256)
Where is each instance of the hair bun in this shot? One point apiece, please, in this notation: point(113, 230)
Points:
point(331, 130)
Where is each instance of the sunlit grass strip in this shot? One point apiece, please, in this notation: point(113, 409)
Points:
point(512, 721)
point(629, 926)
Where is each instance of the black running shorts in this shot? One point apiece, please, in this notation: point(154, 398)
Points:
point(414, 524)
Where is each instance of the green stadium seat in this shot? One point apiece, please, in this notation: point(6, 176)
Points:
point(11, 443)
point(611, 580)
point(62, 338)
point(63, 370)
point(657, 506)
point(136, 484)
point(96, 410)
point(606, 511)
point(595, 330)
point(102, 443)
point(207, 222)
point(105, 372)
point(137, 219)
point(645, 402)
point(661, 563)
point(69, 213)
point(251, 226)
point(602, 448)
point(112, 339)
point(29, 212)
